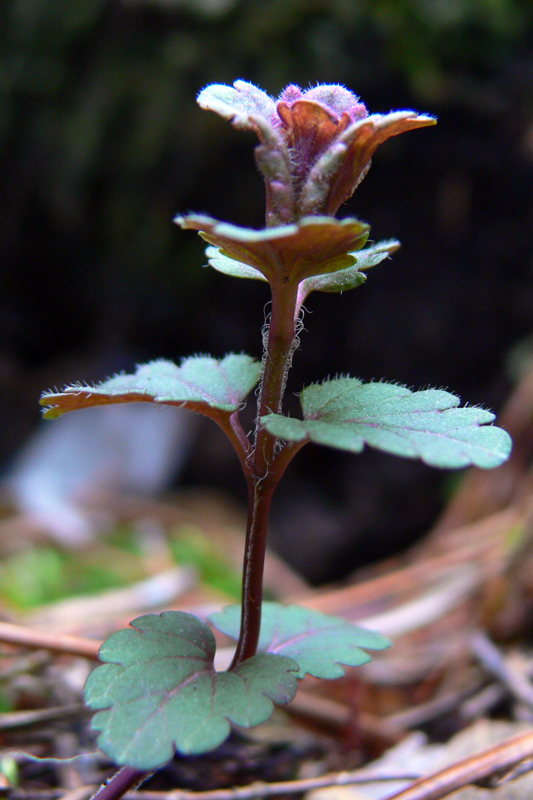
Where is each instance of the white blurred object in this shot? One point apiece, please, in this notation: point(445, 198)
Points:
point(128, 447)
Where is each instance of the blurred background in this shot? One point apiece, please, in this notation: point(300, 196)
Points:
point(102, 143)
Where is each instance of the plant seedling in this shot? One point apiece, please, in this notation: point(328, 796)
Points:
point(157, 691)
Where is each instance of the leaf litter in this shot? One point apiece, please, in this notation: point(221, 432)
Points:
point(470, 577)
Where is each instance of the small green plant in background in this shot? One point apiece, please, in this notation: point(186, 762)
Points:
point(189, 545)
point(45, 574)
point(157, 691)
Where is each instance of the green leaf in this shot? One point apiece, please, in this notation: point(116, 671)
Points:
point(160, 692)
point(199, 383)
point(229, 266)
point(340, 281)
point(354, 276)
point(319, 643)
point(346, 413)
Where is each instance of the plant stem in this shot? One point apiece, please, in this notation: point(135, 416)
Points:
point(263, 479)
point(278, 356)
point(231, 425)
point(252, 581)
point(124, 779)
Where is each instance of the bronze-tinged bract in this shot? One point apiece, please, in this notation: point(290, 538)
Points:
point(315, 145)
point(288, 253)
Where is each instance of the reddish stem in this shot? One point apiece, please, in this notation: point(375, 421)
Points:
point(231, 425)
point(252, 581)
point(123, 780)
point(264, 476)
point(285, 456)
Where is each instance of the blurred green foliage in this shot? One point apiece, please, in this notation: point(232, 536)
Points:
point(190, 546)
point(44, 574)
point(5, 705)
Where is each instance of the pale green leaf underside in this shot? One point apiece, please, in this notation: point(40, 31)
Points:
point(198, 381)
point(229, 266)
point(319, 643)
point(351, 277)
point(340, 281)
point(347, 414)
point(159, 692)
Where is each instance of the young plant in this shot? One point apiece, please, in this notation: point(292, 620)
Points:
point(157, 691)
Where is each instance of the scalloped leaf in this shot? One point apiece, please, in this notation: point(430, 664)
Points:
point(319, 643)
point(200, 383)
point(159, 692)
point(350, 278)
point(345, 413)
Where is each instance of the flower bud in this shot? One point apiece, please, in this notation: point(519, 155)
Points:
point(315, 145)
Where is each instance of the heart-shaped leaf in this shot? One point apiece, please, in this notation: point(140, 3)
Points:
point(200, 383)
point(319, 643)
point(346, 413)
point(160, 692)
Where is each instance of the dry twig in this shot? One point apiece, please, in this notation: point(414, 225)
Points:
point(499, 667)
point(257, 789)
point(10, 720)
point(478, 769)
point(58, 643)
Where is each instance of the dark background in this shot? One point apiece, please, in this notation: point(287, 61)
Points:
point(102, 143)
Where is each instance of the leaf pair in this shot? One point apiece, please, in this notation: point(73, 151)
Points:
point(343, 413)
point(346, 277)
point(159, 692)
